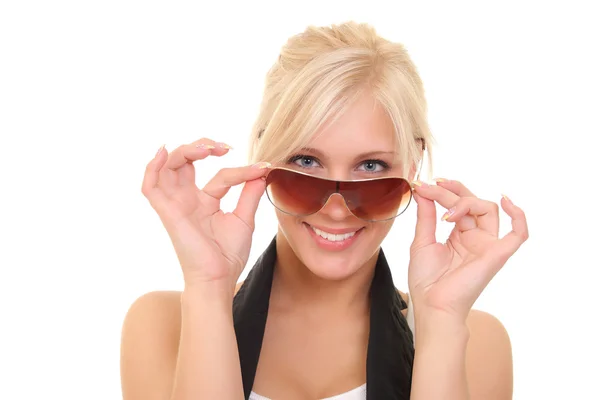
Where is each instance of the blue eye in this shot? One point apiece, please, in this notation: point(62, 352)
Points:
point(368, 166)
point(304, 161)
point(374, 166)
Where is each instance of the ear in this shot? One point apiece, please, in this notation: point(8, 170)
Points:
point(415, 170)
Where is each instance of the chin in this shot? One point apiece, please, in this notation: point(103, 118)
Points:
point(331, 268)
point(333, 256)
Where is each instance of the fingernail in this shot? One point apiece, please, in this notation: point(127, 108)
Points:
point(224, 146)
point(420, 184)
point(506, 198)
point(159, 150)
point(262, 165)
point(448, 213)
point(438, 180)
point(205, 146)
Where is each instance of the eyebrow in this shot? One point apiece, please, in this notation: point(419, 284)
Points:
point(361, 156)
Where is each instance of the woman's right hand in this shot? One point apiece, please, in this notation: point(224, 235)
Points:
point(212, 246)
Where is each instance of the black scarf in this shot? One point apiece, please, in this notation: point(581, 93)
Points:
point(390, 351)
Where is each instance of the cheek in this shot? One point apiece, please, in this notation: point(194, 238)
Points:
point(287, 223)
point(379, 230)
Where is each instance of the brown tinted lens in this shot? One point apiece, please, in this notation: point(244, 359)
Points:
point(297, 194)
point(377, 200)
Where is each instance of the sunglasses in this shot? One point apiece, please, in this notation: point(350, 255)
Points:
point(301, 194)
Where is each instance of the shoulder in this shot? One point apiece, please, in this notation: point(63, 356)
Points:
point(489, 357)
point(487, 337)
point(481, 323)
point(163, 306)
point(156, 314)
point(160, 310)
point(150, 343)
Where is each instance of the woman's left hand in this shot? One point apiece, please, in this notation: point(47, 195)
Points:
point(449, 277)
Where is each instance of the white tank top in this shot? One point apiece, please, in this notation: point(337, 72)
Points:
point(359, 393)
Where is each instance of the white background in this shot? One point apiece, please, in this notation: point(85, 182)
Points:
point(90, 90)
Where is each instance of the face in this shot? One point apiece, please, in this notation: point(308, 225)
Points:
point(359, 145)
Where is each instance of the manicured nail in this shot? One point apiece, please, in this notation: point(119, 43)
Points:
point(224, 146)
point(159, 150)
point(262, 165)
point(205, 146)
point(420, 184)
point(448, 213)
point(506, 198)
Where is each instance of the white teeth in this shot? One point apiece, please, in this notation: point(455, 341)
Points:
point(331, 236)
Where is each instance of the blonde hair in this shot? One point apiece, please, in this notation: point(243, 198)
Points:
point(320, 72)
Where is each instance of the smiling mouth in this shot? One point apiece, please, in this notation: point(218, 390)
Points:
point(334, 237)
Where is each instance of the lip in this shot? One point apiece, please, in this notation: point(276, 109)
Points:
point(329, 245)
point(337, 231)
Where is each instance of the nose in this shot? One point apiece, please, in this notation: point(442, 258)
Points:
point(335, 208)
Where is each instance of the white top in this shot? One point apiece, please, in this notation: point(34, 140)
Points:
point(359, 393)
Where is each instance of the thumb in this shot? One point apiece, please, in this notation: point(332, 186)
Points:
point(426, 222)
point(249, 200)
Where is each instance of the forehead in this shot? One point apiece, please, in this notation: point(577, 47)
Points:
point(363, 127)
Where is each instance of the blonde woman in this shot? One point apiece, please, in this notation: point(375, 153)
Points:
point(337, 148)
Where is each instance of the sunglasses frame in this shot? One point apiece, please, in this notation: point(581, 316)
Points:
point(337, 184)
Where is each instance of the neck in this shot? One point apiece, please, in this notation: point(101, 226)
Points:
point(295, 287)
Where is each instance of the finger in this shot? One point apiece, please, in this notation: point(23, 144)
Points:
point(151, 176)
point(220, 184)
point(249, 201)
point(426, 222)
point(455, 187)
point(197, 150)
point(446, 199)
point(443, 196)
point(179, 169)
point(511, 242)
point(486, 213)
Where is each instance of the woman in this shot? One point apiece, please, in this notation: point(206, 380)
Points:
point(318, 316)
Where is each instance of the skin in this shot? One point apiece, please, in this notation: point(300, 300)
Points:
point(179, 345)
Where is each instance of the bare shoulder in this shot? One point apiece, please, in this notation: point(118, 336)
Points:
point(489, 357)
point(149, 345)
point(482, 323)
point(488, 336)
point(157, 313)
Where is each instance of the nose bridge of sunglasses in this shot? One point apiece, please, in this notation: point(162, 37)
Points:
point(335, 202)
